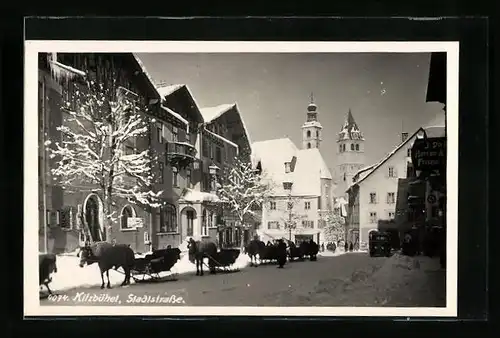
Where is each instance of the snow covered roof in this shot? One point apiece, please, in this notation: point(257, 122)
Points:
point(167, 90)
point(435, 131)
point(195, 196)
point(223, 139)
point(211, 113)
point(176, 115)
point(145, 71)
point(310, 166)
point(350, 129)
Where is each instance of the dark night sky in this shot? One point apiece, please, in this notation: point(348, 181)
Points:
point(385, 92)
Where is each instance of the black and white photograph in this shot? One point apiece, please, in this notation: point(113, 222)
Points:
point(241, 178)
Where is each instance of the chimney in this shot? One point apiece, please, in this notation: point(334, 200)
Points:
point(404, 137)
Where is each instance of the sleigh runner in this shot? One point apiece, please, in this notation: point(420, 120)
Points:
point(149, 268)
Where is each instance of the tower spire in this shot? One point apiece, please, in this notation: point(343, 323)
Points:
point(312, 97)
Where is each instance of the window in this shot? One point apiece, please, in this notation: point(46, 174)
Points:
point(391, 172)
point(408, 152)
point(409, 170)
point(168, 219)
point(175, 135)
point(391, 198)
point(218, 154)
point(273, 225)
point(373, 217)
point(159, 132)
point(127, 212)
point(391, 214)
point(162, 175)
point(343, 147)
point(175, 177)
point(272, 205)
point(340, 148)
point(205, 147)
point(307, 205)
point(308, 133)
point(308, 145)
point(308, 224)
point(210, 151)
point(357, 147)
point(190, 223)
point(373, 197)
point(352, 146)
point(210, 220)
point(67, 217)
point(317, 133)
point(188, 178)
point(344, 177)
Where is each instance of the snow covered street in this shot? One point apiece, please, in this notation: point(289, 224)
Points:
point(347, 279)
point(70, 275)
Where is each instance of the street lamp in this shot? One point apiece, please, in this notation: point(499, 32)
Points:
point(287, 185)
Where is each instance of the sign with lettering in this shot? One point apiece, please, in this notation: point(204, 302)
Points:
point(429, 154)
point(135, 222)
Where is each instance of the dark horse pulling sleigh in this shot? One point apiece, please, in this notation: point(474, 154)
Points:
point(109, 256)
point(222, 260)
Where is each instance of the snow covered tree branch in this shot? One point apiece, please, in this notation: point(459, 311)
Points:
point(102, 144)
point(335, 227)
point(243, 191)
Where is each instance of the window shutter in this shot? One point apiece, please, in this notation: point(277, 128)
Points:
point(79, 217)
point(395, 172)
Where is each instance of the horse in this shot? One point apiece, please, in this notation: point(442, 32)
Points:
point(254, 248)
point(47, 265)
point(198, 250)
point(107, 256)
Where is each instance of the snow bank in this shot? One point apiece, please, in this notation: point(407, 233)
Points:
point(70, 275)
point(398, 281)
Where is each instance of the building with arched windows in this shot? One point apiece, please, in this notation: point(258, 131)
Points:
point(190, 142)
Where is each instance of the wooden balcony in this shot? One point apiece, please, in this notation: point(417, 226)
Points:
point(180, 154)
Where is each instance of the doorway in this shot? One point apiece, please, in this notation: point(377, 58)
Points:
point(92, 219)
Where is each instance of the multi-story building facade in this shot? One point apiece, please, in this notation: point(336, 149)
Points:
point(373, 194)
point(70, 216)
point(176, 134)
point(301, 184)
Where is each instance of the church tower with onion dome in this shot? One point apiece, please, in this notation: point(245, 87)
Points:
point(350, 153)
point(311, 129)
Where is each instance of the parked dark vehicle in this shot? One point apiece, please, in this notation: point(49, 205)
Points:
point(379, 243)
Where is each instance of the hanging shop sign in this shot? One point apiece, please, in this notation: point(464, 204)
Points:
point(429, 154)
point(135, 222)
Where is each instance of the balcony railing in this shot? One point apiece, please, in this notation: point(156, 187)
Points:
point(180, 153)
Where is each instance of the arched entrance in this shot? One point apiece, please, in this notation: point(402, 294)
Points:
point(93, 219)
point(188, 215)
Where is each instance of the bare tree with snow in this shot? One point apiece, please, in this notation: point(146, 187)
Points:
point(334, 227)
point(243, 191)
point(98, 148)
point(291, 217)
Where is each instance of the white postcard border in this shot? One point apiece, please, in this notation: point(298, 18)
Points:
point(32, 305)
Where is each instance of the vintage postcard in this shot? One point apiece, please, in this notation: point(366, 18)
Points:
point(241, 178)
